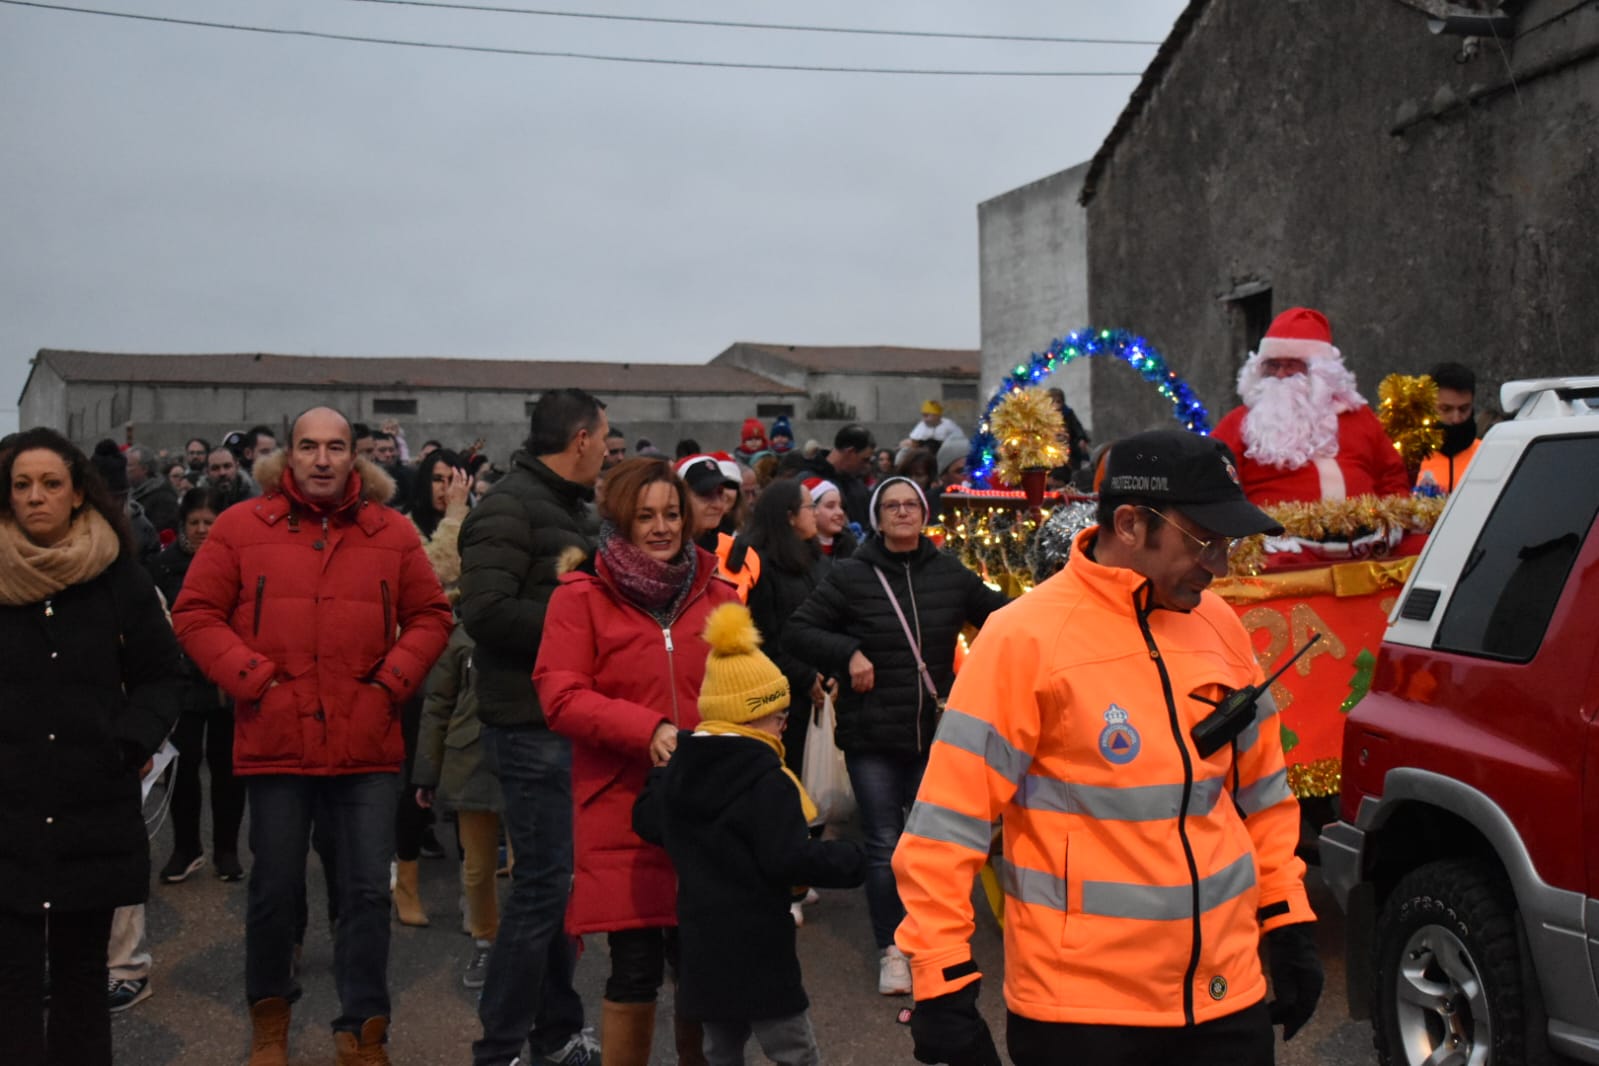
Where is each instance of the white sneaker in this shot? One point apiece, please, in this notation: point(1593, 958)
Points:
point(798, 911)
point(893, 973)
point(811, 897)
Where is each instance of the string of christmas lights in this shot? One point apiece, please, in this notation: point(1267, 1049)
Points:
point(1133, 350)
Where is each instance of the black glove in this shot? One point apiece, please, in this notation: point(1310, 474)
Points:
point(1296, 976)
point(949, 1029)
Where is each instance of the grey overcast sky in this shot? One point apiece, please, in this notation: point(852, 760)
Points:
point(166, 188)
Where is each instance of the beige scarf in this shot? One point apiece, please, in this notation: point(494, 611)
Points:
point(30, 573)
point(716, 726)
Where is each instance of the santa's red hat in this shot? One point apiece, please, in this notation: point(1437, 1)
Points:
point(1299, 333)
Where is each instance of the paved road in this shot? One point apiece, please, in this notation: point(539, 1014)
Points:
point(196, 1016)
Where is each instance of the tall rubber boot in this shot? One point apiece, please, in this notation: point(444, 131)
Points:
point(269, 1041)
point(407, 899)
point(626, 1032)
point(690, 1043)
point(367, 1049)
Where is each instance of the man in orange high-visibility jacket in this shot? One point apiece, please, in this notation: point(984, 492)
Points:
point(1457, 415)
point(1139, 877)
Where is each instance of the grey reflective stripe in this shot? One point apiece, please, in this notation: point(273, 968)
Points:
point(1135, 803)
point(952, 827)
point(1265, 707)
point(1031, 886)
point(961, 730)
point(1268, 791)
point(1168, 903)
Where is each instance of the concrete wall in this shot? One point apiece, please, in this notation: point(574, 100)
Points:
point(1033, 271)
point(1295, 146)
point(43, 401)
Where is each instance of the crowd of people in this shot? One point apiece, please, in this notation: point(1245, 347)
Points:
point(601, 667)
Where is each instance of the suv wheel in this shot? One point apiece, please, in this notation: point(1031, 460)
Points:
point(1448, 965)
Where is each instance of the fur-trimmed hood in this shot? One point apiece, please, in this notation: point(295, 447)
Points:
point(376, 484)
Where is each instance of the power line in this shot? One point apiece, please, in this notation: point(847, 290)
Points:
point(725, 24)
point(493, 50)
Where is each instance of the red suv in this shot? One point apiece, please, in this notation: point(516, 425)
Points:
point(1467, 850)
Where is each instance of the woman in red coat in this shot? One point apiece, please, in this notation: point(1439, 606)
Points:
point(619, 673)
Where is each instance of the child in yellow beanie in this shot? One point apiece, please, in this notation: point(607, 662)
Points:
point(734, 820)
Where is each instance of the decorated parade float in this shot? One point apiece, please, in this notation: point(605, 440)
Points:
point(1336, 570)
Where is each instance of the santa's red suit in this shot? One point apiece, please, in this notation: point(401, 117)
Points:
point(1308, 436)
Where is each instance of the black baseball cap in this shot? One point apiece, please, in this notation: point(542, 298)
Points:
point(705, 474)
point(1197, 474)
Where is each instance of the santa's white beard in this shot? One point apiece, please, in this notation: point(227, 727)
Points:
point(1294, 420)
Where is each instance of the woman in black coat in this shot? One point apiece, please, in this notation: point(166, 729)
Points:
point(88, 691)
point(782, 531)
point(888, 710)
point(205, 728)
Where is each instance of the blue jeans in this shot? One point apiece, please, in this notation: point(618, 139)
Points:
point(358, 810)
point(885, 786)
point(527, 989)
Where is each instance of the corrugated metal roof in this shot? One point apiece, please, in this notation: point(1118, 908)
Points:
point(869, 359)
point(503, 375)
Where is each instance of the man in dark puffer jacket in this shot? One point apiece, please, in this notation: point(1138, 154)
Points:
point(533, 523)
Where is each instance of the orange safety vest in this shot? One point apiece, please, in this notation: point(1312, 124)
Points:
point(738, 564)
point(1447, 470)
point(1070, 721)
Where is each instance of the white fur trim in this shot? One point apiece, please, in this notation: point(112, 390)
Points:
point(1297, 348)
point(1332, 479)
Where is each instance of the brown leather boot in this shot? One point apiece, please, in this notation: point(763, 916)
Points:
point(366, 1050)
point(269, 1042)
point(626, 1032)
point(690, 1043)
point(407, 898)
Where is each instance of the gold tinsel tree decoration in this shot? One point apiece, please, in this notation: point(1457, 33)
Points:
point(1408, 410)
point(1027, 428)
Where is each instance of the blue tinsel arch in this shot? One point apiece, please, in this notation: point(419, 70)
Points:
point(1135, 351)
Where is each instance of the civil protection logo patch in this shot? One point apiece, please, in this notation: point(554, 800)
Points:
point(1119, 741)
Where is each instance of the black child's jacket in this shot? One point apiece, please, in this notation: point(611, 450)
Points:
point(732, 823)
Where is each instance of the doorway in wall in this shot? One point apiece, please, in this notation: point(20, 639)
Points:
point(1249, 313)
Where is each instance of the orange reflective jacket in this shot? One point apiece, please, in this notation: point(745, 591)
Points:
point(1447, 470)
point(737, 564)
point(1138, 877)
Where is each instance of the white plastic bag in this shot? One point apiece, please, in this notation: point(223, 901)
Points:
point(825, 776)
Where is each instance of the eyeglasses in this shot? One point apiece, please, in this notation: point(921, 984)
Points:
point(1215, 550)
point(901, 506)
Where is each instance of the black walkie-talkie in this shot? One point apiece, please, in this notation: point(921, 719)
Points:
point(1236, 710)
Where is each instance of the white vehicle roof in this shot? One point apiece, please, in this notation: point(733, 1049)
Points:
point(1549, 397)
point(1544, 407)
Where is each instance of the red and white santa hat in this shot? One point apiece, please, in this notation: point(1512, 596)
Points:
point(1299, 333)
point(818, 487)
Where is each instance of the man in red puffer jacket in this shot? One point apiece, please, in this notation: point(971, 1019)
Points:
point(315, 608)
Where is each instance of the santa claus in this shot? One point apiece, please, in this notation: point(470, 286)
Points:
point(1304, 432)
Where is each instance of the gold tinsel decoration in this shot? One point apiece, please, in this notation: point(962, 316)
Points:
point(1027, 429)
point(1320, 778)
point(1408, 410)
point(1340, 520)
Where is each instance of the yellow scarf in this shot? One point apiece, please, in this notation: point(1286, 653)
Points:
point(31, 574)
point(772, 742)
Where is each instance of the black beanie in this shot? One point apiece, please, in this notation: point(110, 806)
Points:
point(112, 464)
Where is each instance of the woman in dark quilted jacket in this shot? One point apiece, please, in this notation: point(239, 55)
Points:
point(885, 622)
point(88, 691)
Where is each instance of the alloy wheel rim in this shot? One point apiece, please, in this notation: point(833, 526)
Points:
point(1441, 1002)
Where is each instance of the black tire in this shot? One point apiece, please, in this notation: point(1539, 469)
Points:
point(1448, 967)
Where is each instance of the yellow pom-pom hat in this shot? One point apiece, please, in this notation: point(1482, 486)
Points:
point(741, 684)
point(932, 407)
